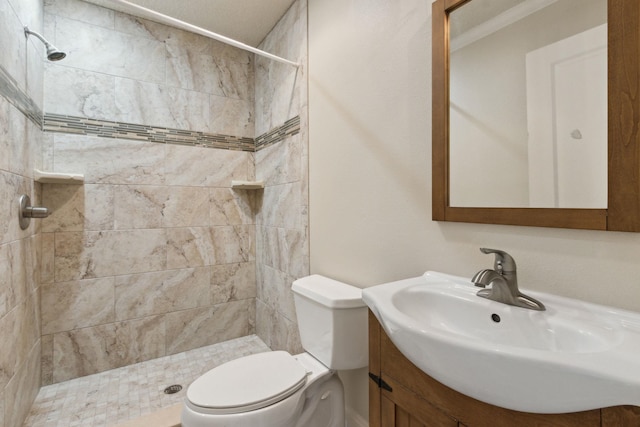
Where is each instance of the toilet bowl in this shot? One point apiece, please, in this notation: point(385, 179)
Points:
point(277, 389)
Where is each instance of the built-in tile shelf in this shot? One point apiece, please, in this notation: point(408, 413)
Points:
point(57, 177)
point(247, 185)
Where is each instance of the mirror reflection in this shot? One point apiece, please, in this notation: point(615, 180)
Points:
point(528, 104)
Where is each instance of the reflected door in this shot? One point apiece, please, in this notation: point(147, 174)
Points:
point(567, 119)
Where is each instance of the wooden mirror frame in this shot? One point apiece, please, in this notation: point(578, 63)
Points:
point(623, 205)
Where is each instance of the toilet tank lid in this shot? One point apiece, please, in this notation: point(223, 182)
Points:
point(328, 292)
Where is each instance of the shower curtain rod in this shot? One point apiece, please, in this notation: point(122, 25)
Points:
point(164, 19)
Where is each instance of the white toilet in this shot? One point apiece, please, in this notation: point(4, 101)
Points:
point(276, 389)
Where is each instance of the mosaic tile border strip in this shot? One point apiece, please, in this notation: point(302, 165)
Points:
point(108, 129)
point(10, 90)
point(289, 128)
point(48, 122)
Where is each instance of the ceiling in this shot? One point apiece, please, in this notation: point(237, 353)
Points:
point(247, 21)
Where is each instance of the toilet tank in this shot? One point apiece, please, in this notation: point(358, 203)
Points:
point(332, 320)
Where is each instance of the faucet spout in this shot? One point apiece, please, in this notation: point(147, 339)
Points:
point(503, 283)
point(483, 278)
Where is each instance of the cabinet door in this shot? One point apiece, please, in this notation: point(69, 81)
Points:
point(621, 416)
point(402, 408)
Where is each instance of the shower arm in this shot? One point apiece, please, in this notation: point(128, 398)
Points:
point(164, 19)
point(28, 32)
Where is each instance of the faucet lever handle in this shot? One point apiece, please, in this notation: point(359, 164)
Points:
point(504, 262)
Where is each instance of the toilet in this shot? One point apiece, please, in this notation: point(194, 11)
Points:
point(277, 389)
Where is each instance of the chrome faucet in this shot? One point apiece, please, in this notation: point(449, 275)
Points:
point(504, 282)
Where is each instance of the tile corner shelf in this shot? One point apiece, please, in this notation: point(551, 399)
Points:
point(57, 177)
point(247, 185)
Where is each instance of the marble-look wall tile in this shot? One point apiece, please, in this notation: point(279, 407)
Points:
point(17, 274)
point(17, 263)
point(215, 75)
point(229, 206)
point(112, 161)
point(161, 292)
point(277, 331)
point(29, 12)
point(7, 296)
point(27, 328)
point(160, 206)
point(119, 54)
point(203, 167)
point(19, 326)
point(189, 247)
point(198, 246)
point(281, 206)
point(90, 350)
point(159, 105)
point(46, 342)
point(66, 204)
point(22, 389)
point(75, 92)
point(232, 244)
point(195, 328)
point(281, 89)
point(281, 163)
point(4, 134)
point(186, 207)
point(81, 11)
point(8, 358)
point(77, 304)
point(139, 206)
point(11, 187)
point(45, 161)
point(13, 54)
point(21, 67)
point(176, 40)
point(20, 160)
point(231, 116)
point(275, 291)
point(47, 258)
point(282, 243)
point(107, 253)
point(78, 207)
point(232, 282)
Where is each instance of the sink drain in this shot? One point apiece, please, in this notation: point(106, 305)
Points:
point(173, 389)
point(495, 318)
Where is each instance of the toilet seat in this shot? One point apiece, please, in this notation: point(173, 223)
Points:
point(247, 383)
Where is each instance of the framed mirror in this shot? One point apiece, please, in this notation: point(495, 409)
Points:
point(536, 113)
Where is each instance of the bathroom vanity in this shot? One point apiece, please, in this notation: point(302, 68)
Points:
point(400, 394)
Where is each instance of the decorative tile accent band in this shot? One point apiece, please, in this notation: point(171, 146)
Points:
point(289, 128)
point(11, 91)
point(109, 129)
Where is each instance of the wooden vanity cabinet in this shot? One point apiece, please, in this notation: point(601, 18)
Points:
point(401, 395)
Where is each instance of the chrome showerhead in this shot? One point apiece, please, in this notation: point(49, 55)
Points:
point(53, 54)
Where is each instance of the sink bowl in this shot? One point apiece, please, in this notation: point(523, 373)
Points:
point(575, 356)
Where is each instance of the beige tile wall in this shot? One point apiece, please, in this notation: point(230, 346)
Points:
point(154, 254)
point(136, 266)
point(282, 232)
point(20, 138)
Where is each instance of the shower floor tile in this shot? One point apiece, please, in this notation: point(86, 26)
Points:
point(113, 397)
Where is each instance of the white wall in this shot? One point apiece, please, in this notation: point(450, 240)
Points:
point(370, 170)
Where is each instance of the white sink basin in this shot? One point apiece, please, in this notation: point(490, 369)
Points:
point(574, 356)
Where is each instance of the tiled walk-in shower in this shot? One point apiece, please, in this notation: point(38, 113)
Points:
point(112, 397)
